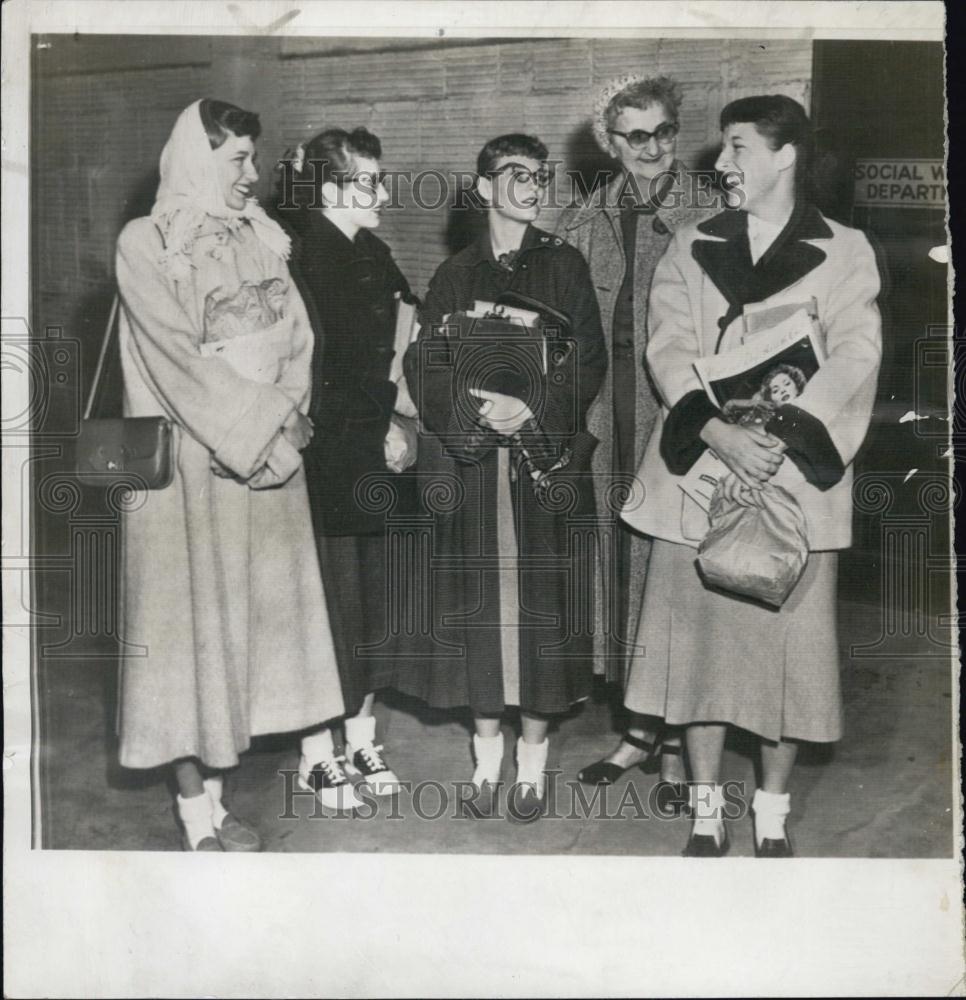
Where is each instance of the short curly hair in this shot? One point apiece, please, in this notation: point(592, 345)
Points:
point(792, 371)
point(633, 92)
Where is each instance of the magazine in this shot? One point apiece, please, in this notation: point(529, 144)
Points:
point(782, 349)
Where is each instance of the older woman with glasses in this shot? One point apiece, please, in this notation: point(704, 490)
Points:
point(623, 231)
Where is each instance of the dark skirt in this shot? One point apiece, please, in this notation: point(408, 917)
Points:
point(354, 576)
point(506, 595)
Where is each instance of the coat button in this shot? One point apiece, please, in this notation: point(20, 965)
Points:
point(543, 239)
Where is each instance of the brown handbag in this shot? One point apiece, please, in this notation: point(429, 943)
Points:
point(130, 451)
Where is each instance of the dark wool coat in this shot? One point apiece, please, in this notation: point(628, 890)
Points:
point(465, 666)
point(594, 228)
point(350, 288)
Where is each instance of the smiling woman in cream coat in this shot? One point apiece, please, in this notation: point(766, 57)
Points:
point(711, 658)
point(223, 602)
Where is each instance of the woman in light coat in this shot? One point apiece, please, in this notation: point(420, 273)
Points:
point(713, 659)
point(223, 604)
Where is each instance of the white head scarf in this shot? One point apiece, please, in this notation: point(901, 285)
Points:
point(189, 193)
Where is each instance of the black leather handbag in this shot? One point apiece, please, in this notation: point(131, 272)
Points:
point(131, 451)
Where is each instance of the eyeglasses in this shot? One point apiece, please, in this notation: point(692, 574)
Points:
point(639, 138)
point(371, 182)
point(540, 178)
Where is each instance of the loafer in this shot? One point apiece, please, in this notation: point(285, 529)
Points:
point(234, 835)
point(205, 844)
point(774, 847)
point(524, 805)
point(484, 804)
point(703, 845)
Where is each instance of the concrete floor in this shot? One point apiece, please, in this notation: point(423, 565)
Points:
point(884, 791)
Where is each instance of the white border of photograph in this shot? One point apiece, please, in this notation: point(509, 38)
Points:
point(105, 924)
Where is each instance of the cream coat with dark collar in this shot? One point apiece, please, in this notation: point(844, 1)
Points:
point(705, 279)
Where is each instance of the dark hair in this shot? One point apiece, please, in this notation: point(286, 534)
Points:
point(221, 119)
point(780, 120)
point(792, 371)
point(511, 144)
point(332, 154)
point(641, 94)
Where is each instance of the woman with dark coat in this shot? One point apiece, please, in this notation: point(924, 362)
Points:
point(510, 600)
point(353, 288)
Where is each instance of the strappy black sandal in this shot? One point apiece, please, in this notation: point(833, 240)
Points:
point(605, 772)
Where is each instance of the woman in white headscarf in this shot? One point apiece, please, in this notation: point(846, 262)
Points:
point(225, 618)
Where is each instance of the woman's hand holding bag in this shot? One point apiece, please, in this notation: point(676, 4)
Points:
point(751, 454)
point(757, 545)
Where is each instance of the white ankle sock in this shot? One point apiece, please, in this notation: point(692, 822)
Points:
point(360, 731)
point(316, 748)
point(531, 762)
point(770, 810)
point(488, 751)
point(195, 813)
point(215, 789)
point(707, 809)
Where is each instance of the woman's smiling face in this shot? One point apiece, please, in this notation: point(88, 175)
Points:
point(751, 167)
point(235, 165)
point(653, 158)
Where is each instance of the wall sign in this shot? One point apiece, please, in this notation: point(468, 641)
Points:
point(900, 183)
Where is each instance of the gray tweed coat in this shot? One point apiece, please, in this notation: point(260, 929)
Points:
point(594, 228)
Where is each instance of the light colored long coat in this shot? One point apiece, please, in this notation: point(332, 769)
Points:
point(686, 305)
point(594, 228)
point(222, 591)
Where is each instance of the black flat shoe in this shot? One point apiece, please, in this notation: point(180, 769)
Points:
point(605, 772)
point(523, 803)
point(774, 847)
point(703, 845)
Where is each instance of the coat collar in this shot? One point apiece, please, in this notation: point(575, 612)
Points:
point(675, 208)
point(322, 237)
point(481, 250)
point(726, 259)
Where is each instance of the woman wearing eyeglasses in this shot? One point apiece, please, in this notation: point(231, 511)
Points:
point(351, 285)
point(623, 231)
point(509, 628)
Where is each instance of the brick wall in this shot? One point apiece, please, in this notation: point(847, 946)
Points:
point(103, 108)
point(435, 108)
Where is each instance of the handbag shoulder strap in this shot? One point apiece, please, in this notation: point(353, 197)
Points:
point(99, 371)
